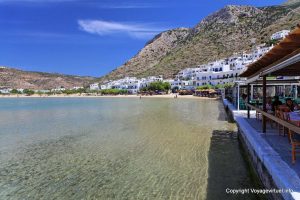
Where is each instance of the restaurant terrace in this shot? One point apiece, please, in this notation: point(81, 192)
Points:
point(270, 126)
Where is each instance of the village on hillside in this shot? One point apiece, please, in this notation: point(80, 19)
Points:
point(218, 73)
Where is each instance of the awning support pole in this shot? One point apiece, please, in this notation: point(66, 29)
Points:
point(238, 97)
point(264, 103)
point(248, 97)
point(251, 92)
point(296, 91)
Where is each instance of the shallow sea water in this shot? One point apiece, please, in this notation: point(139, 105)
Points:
point(111, 148)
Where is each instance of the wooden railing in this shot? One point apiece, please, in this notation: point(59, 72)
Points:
point(284, 123)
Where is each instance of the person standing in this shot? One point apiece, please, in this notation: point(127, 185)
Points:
point(276, 103)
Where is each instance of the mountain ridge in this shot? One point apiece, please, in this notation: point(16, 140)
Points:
point(217, 36)
point(16, 78)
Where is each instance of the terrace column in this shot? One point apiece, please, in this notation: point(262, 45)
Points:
point(248, 101)
point(264, 103)
point(296, 91)
point(238, 96)
point(251, 92)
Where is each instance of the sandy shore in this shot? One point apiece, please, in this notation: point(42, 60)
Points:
point(172, 96)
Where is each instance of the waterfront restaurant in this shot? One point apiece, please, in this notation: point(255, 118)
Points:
point(271, 137)
point(282, 60)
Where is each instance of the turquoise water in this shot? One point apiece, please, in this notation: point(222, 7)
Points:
point(112, 148)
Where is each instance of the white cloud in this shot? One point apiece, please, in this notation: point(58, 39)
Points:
point(135, 30)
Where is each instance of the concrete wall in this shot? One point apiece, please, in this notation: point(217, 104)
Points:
point(272, 171)
point(258, 166)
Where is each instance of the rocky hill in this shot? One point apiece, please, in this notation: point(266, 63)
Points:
point(219, 35)
point(14, 78)
point(151, 54)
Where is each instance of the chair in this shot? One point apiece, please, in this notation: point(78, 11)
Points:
point(258, 114)
point(295, 145)
point(242, 104)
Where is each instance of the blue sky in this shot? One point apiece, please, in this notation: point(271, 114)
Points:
point(92, 37)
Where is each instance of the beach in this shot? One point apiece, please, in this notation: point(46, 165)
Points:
point(172, 96)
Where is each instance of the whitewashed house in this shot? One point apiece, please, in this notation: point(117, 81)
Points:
point(145, 82)
point(219, 72)
point(42, 91)
point(58, 89)
point(94, 86)
point(77, 88)
point(21, 90)
point(5, 90)
point(280, 35)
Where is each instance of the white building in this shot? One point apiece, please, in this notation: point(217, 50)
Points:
point(21, 90)
point(219, 72)
point(58, 89)
point(77, 88)
point(145, 82)
point(5, 90)
point(188, 73)
point(131, 84)
point(94, 86)
point(42, 91)
point(280, 35)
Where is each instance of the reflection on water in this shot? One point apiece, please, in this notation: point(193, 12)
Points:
point(115, 149)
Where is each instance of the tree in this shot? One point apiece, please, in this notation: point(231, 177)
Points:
point(166, 86)
point(28, 92)
point(158, 86)
point(205, 87)
point(14, 91)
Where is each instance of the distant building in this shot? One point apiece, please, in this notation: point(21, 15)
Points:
point(21, 90)
point(5, 90)
point(77, 88)
point(131, 84)
point(280, 35)
point(59, 89)
point(94, 86)
point(42, 91)
point(218, 72)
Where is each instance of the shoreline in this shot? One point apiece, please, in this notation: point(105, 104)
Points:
point(166, 96)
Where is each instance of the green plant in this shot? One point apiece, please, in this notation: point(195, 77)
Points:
point(113, 91)
point(28, 92)
point(158, 86)
point(205, 87)
point(14, 91)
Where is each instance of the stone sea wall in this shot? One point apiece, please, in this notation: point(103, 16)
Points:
point(267, 164)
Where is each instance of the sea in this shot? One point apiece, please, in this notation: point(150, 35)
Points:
point(119, 148)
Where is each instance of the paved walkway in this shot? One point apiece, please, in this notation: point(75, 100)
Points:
point(279, 143)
